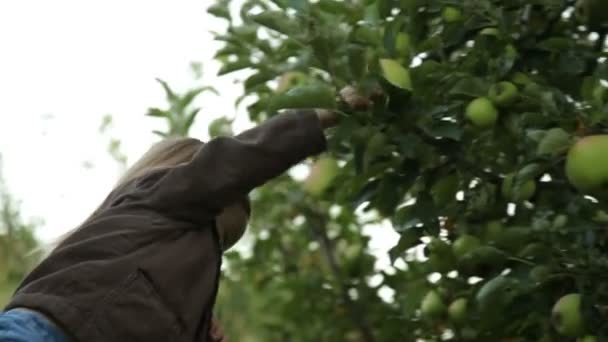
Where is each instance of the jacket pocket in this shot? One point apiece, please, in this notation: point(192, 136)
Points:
point(137, 312)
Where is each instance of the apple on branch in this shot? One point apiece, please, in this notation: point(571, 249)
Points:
point(587, 164)
point(482, 113)
point(566, 315)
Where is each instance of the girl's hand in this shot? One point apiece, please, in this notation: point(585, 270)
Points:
point(349, 96)
point(354, 99)
point(328, 118)
point(217, 333)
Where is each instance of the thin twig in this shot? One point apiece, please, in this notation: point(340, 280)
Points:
point(320, 233)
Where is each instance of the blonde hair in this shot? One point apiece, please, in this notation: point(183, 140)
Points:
point(171, 152)
point(166, 153)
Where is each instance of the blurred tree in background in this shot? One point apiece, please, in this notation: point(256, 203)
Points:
point(19, 251)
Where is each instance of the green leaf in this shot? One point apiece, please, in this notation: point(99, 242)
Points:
point(396, 74)
point(187, 99)
point(444, 190)
point(470, 86)
point(155, 112)
point(231, 49)
point(235, 66)
point(408, 239)
point(258, 78)
point(446, 129)
point(171, 96)
point(340, 8)
point(357, 59)
point(376, 146)
point(105, 123)
point(554, 142)
point(159, 133)
point(219, 10)
point(246, 32)
point(277, 21)
point(557, 44)
point(528, 172)
point(571, 64)
point(386, 197)
point(367, 34)
point(190, 119)
point(365, 194)
point(299, 5)
point(384, 7)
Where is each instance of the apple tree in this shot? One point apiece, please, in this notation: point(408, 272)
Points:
point(480, 134)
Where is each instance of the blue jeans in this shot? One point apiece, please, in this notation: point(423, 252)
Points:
point(25, 326)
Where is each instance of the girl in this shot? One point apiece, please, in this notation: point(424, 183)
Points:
point(145, 265)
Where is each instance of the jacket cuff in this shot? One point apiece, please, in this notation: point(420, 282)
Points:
point(313, 130)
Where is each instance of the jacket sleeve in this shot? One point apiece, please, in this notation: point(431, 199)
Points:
point(226, 169)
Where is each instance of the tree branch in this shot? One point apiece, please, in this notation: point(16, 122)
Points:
point(317, 224)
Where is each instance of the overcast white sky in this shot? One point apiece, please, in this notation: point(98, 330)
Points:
point(64, 64)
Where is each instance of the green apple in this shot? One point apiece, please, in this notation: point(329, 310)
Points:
point(482, 113)
point(314, 95)
point(517, 194)
point(440, 255)
point(438, 246)
point(588, 338)
point(451, 14)
point(503, 93)
point(457, 311)
point(566, 315)
point(513, 238)
point(432, 305)
point(321, 175)
point(220, 127)
point(587, 164)
point(496, 293)
point(464, 245)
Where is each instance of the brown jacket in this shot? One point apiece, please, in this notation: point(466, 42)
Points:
point(146, 266)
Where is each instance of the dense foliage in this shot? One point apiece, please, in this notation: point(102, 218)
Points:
point(462, 146)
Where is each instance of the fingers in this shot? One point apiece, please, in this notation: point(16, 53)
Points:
point(354, 99)
point(357, 99)
point(327, 118)
point(217, 333)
